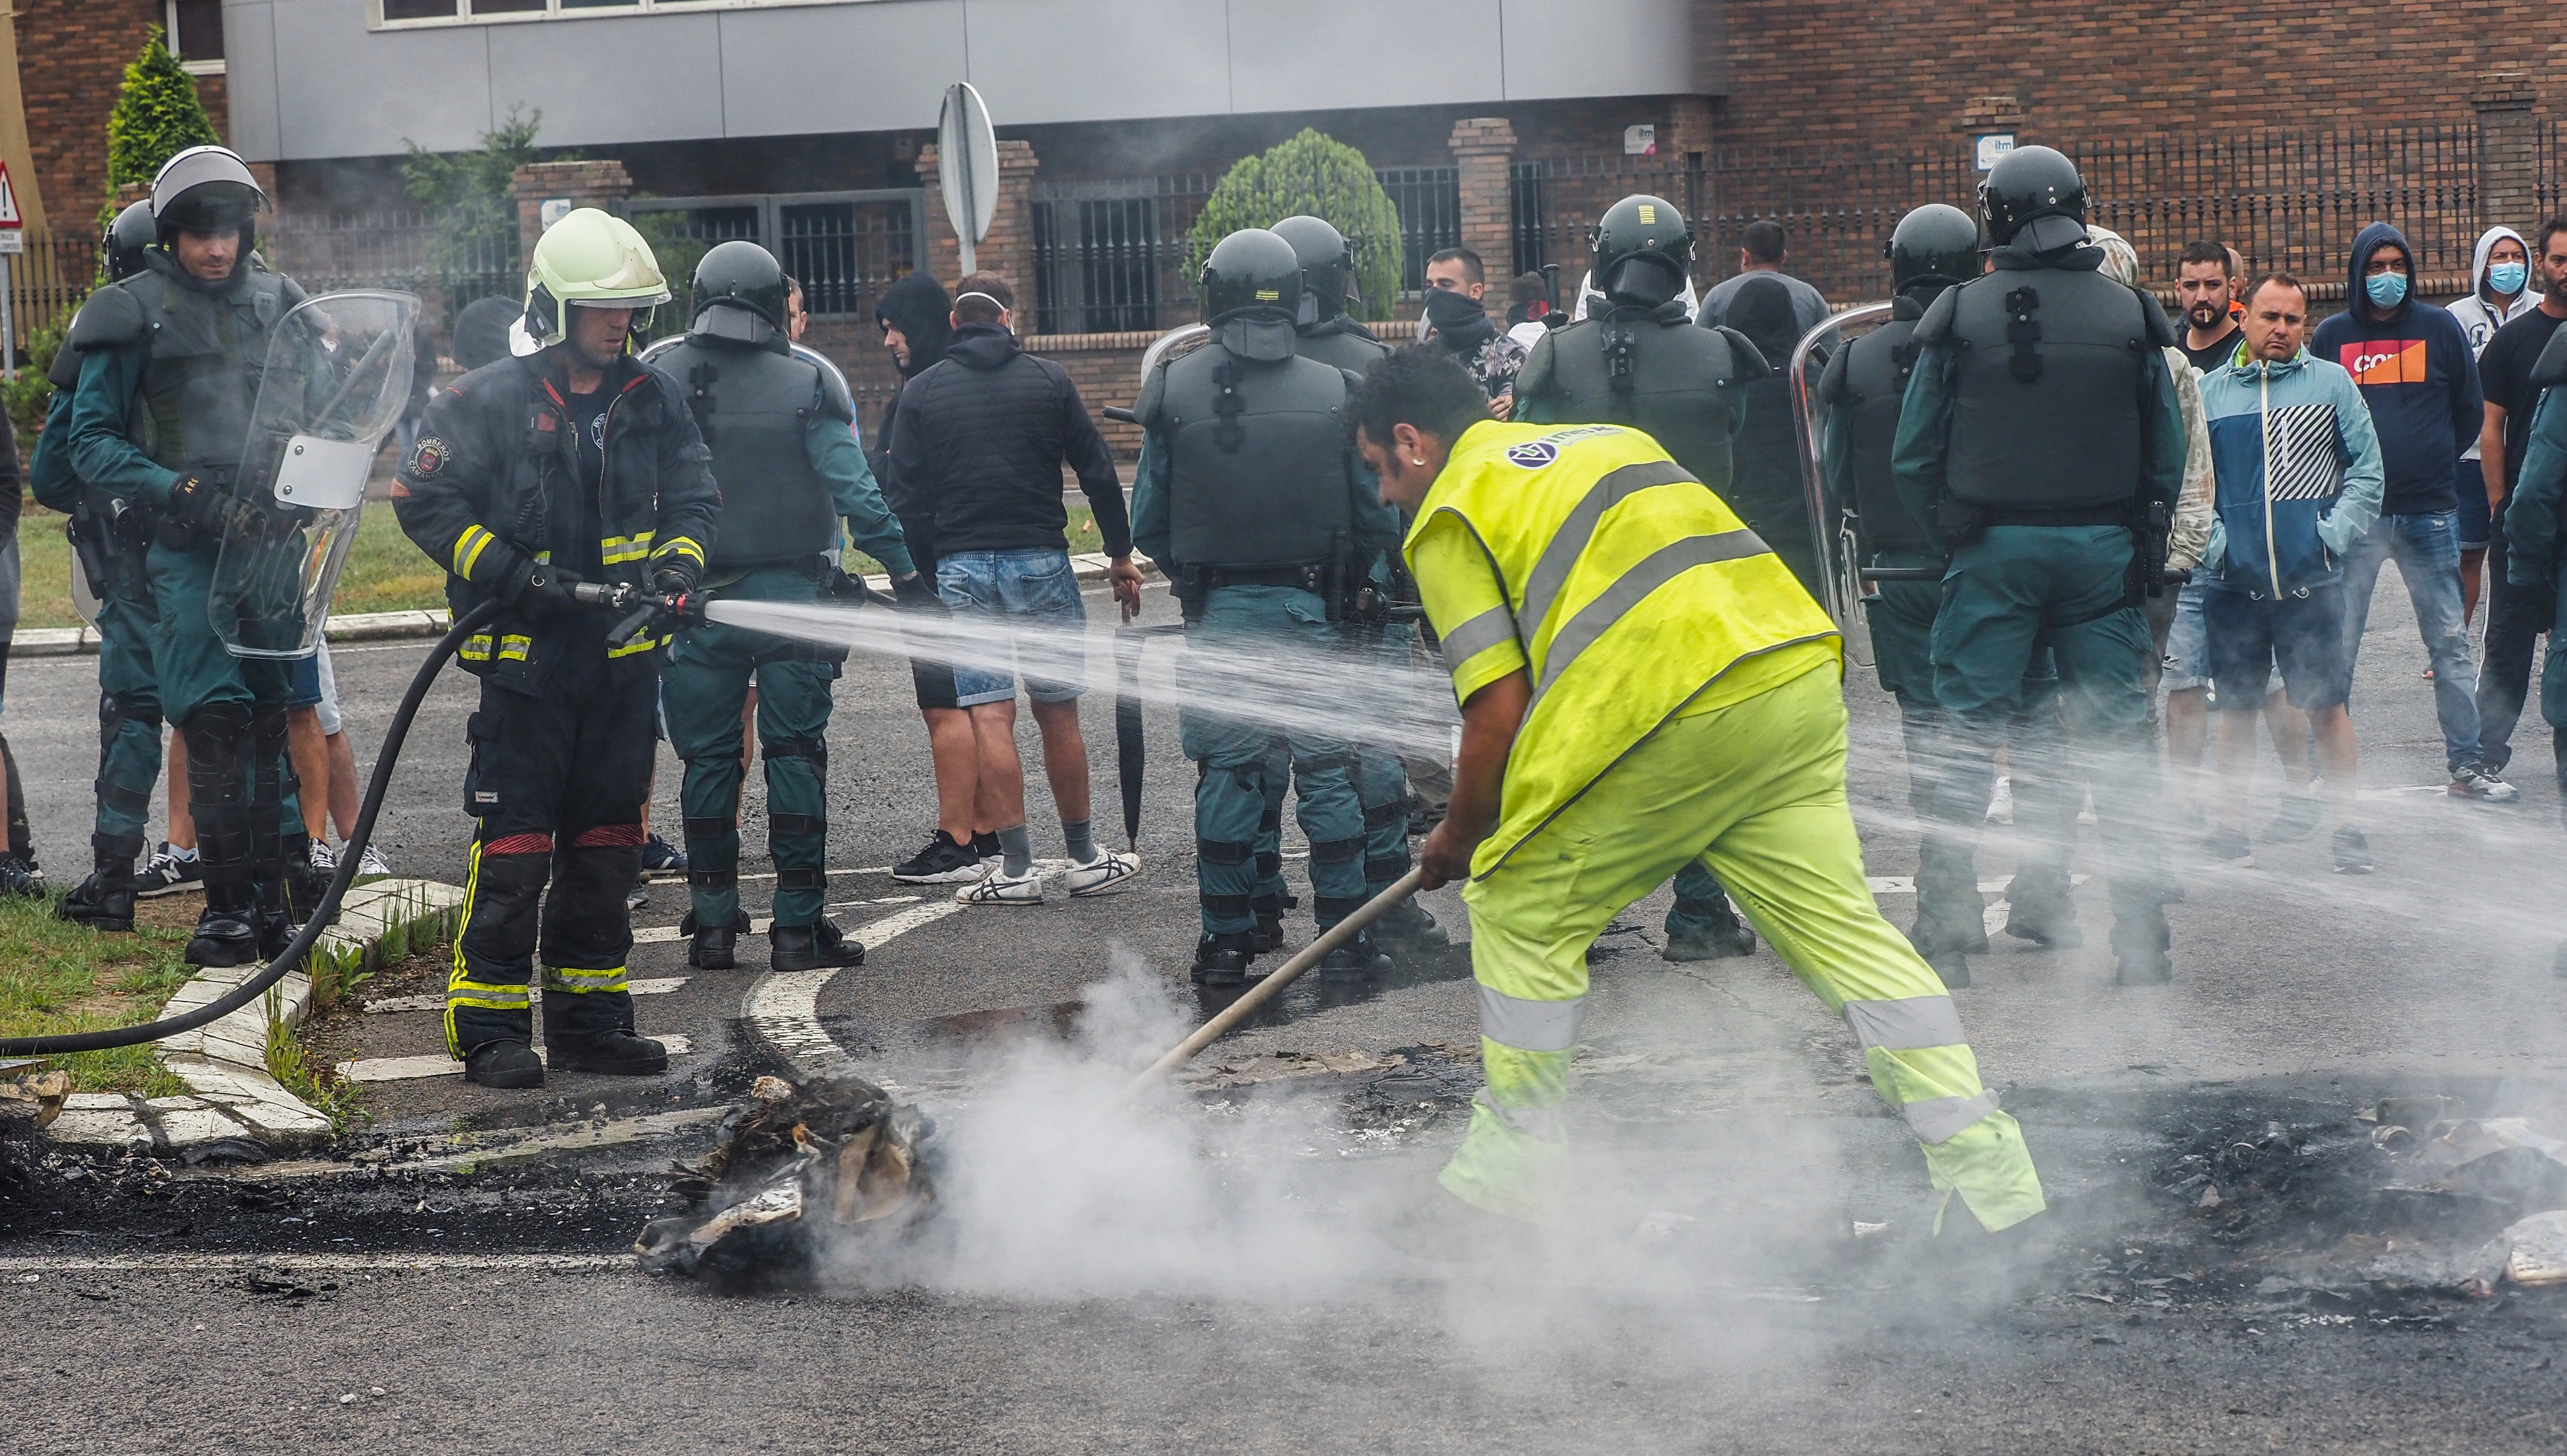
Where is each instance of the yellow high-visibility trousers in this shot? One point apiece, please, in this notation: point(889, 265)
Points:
point(1756, 791)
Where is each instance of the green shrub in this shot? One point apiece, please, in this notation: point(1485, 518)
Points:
point(468, 191)
point(157, 116)
point(1323, 178)
point(31, 394)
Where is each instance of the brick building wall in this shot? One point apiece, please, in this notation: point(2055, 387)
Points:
point(71, 56)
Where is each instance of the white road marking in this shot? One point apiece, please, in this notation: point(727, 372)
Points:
point(782, 1008)
point(438, 1064)
point(647, 986)
point(656, 934)
point(20, 1266)
point(1906, 884)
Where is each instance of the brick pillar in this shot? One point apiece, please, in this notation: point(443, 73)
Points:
point(2508, 151)
point(265, 172)
point(570, 184)
point(1009, 250)
point(1485, 149)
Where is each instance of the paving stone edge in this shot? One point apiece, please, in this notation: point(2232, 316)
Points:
point(224, 1065)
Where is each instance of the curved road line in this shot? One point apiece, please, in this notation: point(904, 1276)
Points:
point(782, 1008)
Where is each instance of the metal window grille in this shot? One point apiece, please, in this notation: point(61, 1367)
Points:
point(1429, 199)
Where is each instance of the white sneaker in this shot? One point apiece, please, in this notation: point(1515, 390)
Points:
point(2001, 803)
point(324, 858)
point(1000, 887)
point(1100, 874)
point(371, 866)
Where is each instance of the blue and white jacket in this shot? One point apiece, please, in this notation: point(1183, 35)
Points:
point(2298, 470)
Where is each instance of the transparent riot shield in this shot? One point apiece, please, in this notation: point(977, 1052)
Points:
point(1835, 528)
point(84, 596)
point(337, 378)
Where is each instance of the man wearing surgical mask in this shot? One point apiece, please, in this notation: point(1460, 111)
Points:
point(2501, 271)
point(1457, 317)
point(2419, 378)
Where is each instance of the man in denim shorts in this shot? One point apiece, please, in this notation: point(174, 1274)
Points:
point(981, 438)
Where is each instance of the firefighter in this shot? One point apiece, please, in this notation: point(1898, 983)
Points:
point(576, 463)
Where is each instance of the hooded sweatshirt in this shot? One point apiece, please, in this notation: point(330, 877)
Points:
point(2481, 319)
point(2298, 472)
point(2418, 373)
point(917, 305)
point(981, 441)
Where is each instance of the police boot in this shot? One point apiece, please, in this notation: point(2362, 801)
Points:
point(1408, 931)
point(1268, 935)
point(1220, 961)
point(1357, 959)
point(712, 946)
point(2038, 908)
point(1707, 931)
point(504, 1064)
point(811, 947)
point(276, 922)
point(614, 1052)
point(103, 901)
point(227, 929)
point(2140, 942)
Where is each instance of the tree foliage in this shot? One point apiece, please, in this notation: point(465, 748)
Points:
point(1318, 174)
point(468, 191)
point(31, 394)
point(157, 116)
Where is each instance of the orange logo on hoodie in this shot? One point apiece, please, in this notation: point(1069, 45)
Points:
point(2383, 361)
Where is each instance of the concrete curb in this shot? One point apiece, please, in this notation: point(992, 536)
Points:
point(224, 1065)
point(412, 626)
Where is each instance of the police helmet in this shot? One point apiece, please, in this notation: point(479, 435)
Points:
point(126, 237)
point(1252, 272)
point(1327, 266)
point(1937, 242)
point(1643, 249)
point(2025, 185)
point(207, 189)
point(739, 293)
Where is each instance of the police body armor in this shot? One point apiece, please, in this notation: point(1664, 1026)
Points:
point(1651, 369)
point(754, 405)
point(1256, 460)
point(208, 352)
point(1339, 341)
point(2045, 414)
point(1872, 383)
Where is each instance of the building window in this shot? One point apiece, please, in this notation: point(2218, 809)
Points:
point(465, 12)
point(844, 247)
point(195, 31)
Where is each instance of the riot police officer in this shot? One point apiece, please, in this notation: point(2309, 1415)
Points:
point(2041, 438)
point(781, 429)
point(171, 363)
point(111, 535)
point(1637, 359)
point(1256, 503)
point(1325, 331)
point(1936, 247)
point(577, 463)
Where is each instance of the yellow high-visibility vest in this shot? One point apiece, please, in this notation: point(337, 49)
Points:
point(1627, 590)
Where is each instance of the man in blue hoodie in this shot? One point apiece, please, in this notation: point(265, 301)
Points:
point(2419, 375)
point(2299, 481)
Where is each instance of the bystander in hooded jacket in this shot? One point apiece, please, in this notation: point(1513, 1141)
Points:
point(2417, 372)
point(980, 443)
point(918, 306)
point(2481, 319)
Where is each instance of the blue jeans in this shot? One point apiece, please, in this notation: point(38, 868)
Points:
point(1037, 587)
point(2428, 552)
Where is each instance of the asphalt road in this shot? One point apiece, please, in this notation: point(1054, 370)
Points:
point(1747, 1267)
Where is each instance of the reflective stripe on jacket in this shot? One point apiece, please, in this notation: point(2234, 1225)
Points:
point(1589, 559)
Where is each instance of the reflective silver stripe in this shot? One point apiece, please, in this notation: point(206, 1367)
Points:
point(1907, 1025)
point(1550, 573)
point(1477, 636)
point(1941, 1120)
point(1530, 1025)
point(1634, 587)
point(1543, 1124)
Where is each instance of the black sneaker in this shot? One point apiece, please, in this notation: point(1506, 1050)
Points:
point(986, 846)
point(2226, 846)
point(2352, 852)
point(942, 862)
point(167, 874)
point(2299, 814)
point(660, 857)
point(21, 878)
point(2474, 781)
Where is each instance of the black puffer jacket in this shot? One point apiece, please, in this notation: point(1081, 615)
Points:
point(917, 305)
point(980, 443)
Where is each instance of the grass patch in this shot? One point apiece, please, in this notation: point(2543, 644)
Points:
point(385, 571)
point(57, 976)
point(306, 1075)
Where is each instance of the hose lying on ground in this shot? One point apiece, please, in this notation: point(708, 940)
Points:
point(350, 857)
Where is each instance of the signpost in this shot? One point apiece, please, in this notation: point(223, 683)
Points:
point(12, 239)
point(967, 161)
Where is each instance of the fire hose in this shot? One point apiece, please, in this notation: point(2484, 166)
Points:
point(349, 858)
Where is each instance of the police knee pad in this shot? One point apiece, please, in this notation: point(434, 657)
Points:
point(1223, 851)
point(1335, 851)
point(219, 739)
point(815, 750)
point(116, 709)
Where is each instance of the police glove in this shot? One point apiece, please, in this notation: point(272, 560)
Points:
point(199, 505)
point(844, 587)
point(914, 592)
point(673, 575)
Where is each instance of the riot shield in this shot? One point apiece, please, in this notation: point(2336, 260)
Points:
point(1833, 527)
point(84, 596)
point(337, 378)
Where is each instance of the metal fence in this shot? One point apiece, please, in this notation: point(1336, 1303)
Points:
point(407, 250)
point(1109, 255)
point(55, 272)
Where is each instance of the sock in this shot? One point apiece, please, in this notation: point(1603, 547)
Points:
point(1082, 841)
point(182, 856)
point(1018, 848)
